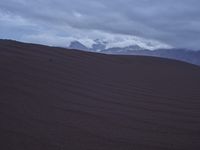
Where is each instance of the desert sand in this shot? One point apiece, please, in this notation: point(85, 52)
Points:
point(60, 99)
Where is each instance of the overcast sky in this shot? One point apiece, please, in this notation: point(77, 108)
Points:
point(172, 23)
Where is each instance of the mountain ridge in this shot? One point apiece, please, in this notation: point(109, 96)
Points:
point(189, 56)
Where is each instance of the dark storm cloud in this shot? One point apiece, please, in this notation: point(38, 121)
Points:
point(175, 22)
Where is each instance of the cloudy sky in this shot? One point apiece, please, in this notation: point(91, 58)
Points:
point(165, 23)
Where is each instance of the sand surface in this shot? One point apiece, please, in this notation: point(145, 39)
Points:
point(58, 99)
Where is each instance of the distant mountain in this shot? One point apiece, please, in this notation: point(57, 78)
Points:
point(103, 46)
point(77, 45)
point(99, 45)
point(178, 54)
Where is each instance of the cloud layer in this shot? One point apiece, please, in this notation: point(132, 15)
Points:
point(57, 22)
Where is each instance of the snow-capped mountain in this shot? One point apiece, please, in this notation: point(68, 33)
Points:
point(77, 45)
point(100, 41)
point(99, 45)
point(104, 46)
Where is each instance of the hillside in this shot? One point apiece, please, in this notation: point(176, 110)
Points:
point(60, 99)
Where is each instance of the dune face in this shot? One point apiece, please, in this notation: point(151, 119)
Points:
point(58, 99)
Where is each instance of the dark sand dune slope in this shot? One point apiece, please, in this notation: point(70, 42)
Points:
point(58, 99)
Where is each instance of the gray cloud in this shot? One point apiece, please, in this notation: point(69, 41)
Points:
point(176, 23)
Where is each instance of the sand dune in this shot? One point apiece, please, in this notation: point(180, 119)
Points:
point(57, 99)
